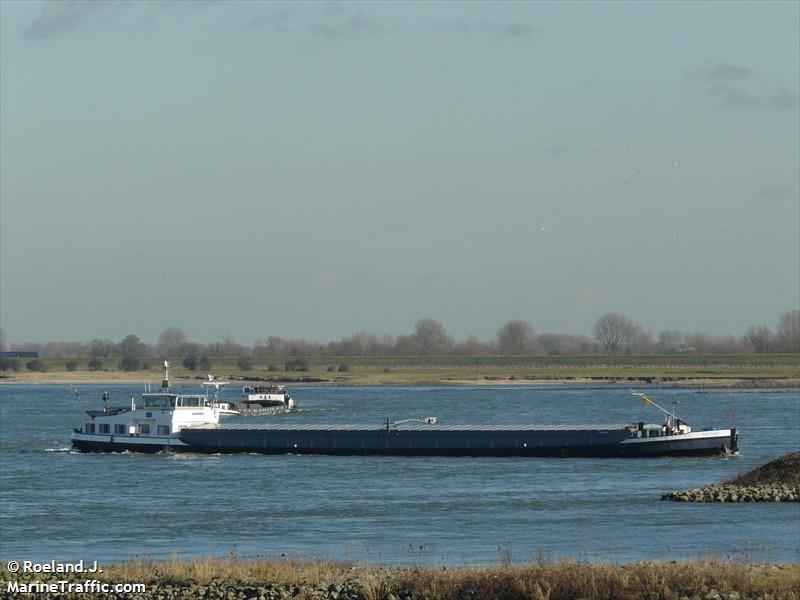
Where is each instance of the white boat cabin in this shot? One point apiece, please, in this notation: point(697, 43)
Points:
point(266, 395)
point(153, 420)
point(154, 414)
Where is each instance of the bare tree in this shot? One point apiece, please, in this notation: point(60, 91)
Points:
point(758, 338)
point(405, 345)
point(230, 347)
point(102, 348)
point(700, 342)
point(614, 331)
point(564, 343)
point(432, 338)
point(472, 346)
point(517, 337)
point(361, 344)
point(671, 340)
point(787, 332)
point(172, 342)
point(641, 342)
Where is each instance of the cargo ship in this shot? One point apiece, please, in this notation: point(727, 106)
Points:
point(190, 423)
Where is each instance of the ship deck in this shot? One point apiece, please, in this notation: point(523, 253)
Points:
point(414, 427)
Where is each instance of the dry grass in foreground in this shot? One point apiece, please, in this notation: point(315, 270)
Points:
point(543, 580)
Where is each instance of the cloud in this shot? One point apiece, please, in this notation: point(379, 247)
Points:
point(731, 96)
point(784, 99)
point(771, 193)
point(61, 18)
point(277, 17)
point(509, 30)
point(718, 71)
point(357, 24)
point(335, 8)
point(554, 151)
point(735, 86)
point(325, 279)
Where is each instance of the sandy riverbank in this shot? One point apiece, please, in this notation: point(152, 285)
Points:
point(393, 379)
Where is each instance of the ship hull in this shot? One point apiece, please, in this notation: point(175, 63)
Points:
point(85, 442)
point(562, 443)
point(484, 442)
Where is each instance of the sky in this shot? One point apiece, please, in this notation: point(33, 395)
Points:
point(317, 169)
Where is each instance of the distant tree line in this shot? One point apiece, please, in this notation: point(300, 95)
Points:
point(613, 334)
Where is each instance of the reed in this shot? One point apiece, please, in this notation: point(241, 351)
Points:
point(541, 579)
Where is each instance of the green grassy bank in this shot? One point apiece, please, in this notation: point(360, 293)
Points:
point(235, 579)
point(756, 370)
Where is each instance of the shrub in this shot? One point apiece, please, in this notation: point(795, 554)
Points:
point(244, 363)
point(36, 365)
point(10, 364)
point(344, 368)
point(130, 363)
point(205, 363)
point(95, 364)
point(71, 365)
point(331, 368)
point(273, 368)
point(190, 362)
point(297, 364)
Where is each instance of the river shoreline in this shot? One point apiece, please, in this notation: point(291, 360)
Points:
point(123, 378)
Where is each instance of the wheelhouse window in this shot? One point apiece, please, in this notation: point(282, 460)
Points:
point(103, 427)
point(157, 402)
point(119, 428)
point(90, 428)
point(163, 430)
point(143, 428)
point(190, 401)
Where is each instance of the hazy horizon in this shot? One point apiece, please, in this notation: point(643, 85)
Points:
point(311, 170)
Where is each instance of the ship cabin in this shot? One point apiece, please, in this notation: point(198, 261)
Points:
point(651, 430)
point(153, 414)
point(167, 401)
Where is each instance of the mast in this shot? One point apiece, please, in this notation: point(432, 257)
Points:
point(165, 383)
point(672, 420)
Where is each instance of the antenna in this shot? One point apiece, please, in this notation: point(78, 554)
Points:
point(77, 393)
point(215, 383)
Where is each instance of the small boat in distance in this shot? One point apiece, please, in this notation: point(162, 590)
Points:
point(264, 396)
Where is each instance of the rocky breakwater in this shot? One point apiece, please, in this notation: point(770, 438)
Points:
point(776, 481)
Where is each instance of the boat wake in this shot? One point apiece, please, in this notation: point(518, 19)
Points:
point(60, 450)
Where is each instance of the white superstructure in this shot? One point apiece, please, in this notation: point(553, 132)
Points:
point(151, 423)
point(266, 396)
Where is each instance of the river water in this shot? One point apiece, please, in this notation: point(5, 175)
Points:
point(56, 504)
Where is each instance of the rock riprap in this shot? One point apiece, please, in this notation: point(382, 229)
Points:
point(776, 481)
